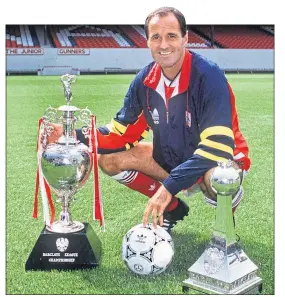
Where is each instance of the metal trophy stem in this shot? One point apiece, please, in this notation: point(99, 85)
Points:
point(65, 224)
point(224, 268)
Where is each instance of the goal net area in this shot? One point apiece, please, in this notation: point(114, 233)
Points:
point(58, 70)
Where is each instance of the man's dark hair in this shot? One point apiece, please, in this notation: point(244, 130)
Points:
point(164, 11)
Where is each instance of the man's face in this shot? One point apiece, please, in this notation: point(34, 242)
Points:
point(165, 41)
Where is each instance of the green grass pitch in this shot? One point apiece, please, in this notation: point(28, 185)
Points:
point(27, 99)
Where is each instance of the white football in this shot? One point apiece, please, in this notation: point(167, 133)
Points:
point(147, 251)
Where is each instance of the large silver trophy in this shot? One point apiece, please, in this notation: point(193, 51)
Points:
point(66, 166)
point(224, 268)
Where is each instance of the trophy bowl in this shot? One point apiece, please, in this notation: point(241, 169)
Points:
point(225, 179)
point(66, 169)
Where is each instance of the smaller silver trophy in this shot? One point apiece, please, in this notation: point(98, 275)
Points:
point(66, 166)
point(224, 268)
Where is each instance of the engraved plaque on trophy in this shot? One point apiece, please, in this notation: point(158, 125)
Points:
point(65, 165)
point(224, 268)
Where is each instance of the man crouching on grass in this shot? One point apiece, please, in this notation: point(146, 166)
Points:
point(189, 105)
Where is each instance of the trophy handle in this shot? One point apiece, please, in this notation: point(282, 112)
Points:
point(85, 118)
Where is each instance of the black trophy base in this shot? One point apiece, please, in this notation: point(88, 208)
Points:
point(66, 251)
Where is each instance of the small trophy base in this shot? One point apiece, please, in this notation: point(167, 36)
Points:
point(65, 251)
point(240, 279)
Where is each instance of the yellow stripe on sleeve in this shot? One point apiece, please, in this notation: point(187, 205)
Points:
point(127, 146)
point(217, 130)
point(144, 134)
point(217, 145)
point(121, 128)
point(209, 156)
point(113, 129)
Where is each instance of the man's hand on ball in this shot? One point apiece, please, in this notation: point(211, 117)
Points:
point(156, 206)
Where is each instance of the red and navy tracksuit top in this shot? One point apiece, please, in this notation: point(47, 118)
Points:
point(194, 121)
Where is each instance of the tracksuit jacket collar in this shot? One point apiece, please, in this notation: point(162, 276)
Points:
point(153, 78)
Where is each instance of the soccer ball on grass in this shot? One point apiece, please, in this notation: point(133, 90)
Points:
point(147, 251)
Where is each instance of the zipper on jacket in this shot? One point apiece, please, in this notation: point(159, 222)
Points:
point(167, 112)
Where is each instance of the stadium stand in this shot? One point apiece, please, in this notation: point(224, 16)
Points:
point(238, 36)
point(133, 36)
point(79, 49)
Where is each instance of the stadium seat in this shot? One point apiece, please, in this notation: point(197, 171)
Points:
point(134, 36)
point(195, 41)
point(20, 36)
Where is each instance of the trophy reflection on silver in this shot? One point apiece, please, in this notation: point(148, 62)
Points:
point(65, 166)
point(224, 268)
